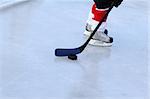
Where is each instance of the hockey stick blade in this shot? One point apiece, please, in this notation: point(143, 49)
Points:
point(67, 52)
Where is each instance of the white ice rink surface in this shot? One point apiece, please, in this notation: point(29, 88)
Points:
point(30, 32)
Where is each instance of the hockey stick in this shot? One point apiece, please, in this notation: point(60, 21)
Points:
point(72, 52)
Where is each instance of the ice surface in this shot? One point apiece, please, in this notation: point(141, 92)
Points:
point(29, 34)
point(8, 3)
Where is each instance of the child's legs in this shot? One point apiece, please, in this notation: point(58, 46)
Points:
point(95, 16)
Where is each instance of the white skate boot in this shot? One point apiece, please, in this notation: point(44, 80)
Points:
point(100, 38)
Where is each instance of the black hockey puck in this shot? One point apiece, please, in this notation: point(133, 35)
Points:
point(73, 57)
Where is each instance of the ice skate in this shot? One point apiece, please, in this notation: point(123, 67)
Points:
point(100, 38)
